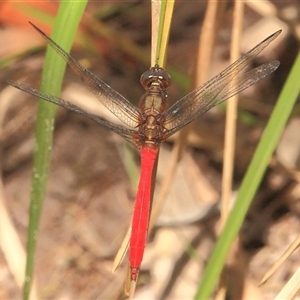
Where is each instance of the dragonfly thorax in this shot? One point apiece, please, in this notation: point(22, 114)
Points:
point(155, 81)
point(151, 130)
point(152, 105)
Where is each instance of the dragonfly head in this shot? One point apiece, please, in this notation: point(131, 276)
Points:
point(155, 76)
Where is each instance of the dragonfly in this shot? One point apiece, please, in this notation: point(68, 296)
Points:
point(150, 124)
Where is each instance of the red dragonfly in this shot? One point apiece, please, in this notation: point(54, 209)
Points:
point(153, 122)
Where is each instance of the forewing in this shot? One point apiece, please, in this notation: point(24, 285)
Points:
point(221, 87)
point(126, 133)
point(111, 99)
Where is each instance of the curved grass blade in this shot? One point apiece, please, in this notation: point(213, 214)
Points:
point(68, 18)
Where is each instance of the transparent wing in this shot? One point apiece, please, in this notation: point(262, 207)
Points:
point(111, 99)
point(124, 132)
point(221, 87)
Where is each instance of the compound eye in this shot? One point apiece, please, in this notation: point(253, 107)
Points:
point(164, 77)
point(146, 77)
point(155, 74)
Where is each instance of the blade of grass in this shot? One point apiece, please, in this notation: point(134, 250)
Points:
point(231, 113)
point(65, 27)
point(155, 14)
point(166, 13)
point(230, 135)
point(251, 180)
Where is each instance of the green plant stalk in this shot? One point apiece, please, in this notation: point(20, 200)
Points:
point(251, 181)
point(65, 27)
point(165, 20)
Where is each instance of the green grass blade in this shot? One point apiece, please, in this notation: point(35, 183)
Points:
point(65, 27)
point(252, 180)
point(163, 34)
